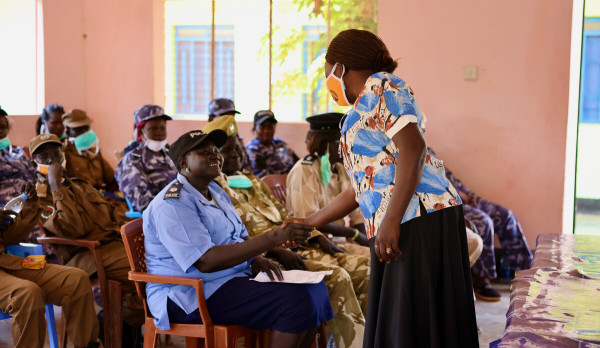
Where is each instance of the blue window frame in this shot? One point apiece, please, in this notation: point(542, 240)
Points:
point(589, 104)
point(193, 67)
point(310, 101)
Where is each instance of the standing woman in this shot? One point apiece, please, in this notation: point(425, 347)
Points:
point(420, 291)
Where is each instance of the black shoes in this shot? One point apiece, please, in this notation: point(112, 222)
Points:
point(484, 291)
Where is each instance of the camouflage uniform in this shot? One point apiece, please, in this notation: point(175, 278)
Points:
point(266, 160)
point(88, 166)
point(490, 218)
point(348, 285)
point(94, 169)
point(78, 211)
point(307, 194)
point(141, 175)
point(15, 170)
point(24, 291)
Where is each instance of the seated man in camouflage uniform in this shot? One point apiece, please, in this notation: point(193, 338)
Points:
point(23, 291)
point(85, 160)
point(261, 213)
point(72, 208)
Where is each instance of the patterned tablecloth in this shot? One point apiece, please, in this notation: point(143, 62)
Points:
point(556, 303)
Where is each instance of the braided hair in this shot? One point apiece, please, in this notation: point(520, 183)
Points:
point(360, 50)
point(45, 116)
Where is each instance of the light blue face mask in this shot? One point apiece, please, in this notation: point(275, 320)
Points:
point(85, 141)
point(4, 143)
point(325, 169)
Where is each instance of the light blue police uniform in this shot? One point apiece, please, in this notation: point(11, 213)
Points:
point(180, 225)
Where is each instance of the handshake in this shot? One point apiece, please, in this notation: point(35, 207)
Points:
point(292, 233)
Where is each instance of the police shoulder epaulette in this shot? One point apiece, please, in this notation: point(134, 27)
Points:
point(309, 159)
point(136, 153)
point(174, 190)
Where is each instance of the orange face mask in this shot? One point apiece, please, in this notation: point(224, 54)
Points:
point(43, 168)
point(336, 87)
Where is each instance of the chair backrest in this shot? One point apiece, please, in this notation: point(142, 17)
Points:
point(133, 240)
point(278, 186)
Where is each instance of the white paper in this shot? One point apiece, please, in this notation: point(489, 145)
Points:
point(295, 277)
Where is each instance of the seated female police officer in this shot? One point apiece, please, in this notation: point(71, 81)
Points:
point(191, 229)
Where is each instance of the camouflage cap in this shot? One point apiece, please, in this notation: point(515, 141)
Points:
point(225, 123)
point(192, 139)
point(149, 111)
point(42, 139)
point(220, 106)
point(76, 118)
point(263, 115)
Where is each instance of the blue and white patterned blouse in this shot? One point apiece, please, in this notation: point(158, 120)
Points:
point(385, 105)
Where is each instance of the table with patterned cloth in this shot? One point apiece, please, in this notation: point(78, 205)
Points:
point(556, 303)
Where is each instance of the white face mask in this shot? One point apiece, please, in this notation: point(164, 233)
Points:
point(155, 145)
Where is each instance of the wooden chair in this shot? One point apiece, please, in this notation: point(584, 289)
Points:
point(221, 336)
point(111, 291)
point(278, 186)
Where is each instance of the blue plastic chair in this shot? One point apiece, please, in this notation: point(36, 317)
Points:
point(24, 250)
point(132, 214)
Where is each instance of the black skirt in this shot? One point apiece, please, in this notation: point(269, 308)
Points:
point(425, 298)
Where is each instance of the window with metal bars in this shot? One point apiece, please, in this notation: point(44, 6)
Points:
point(193, 66)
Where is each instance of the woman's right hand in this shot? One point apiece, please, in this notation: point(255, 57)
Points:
point(291, 233)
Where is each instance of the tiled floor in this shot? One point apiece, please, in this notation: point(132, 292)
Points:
point(490, 317)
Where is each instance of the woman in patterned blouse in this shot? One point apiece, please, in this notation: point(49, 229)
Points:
point(420, 291)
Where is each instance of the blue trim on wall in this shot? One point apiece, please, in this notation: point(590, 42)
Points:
point(590, 83)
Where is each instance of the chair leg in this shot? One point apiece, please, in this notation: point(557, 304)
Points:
point(51, 324)
point(264, 338)
point(149, 334)
point(114, 315)
point(193, 342)
point(63, 330)
point(321, 338)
